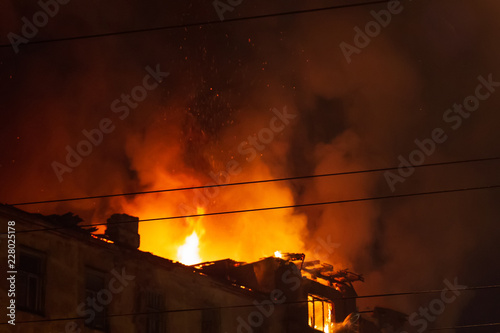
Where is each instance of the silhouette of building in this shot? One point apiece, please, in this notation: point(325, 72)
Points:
point(68, 280)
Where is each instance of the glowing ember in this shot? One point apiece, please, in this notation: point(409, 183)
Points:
point(188, 254)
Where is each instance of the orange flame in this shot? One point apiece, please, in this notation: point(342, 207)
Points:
point(242, 237)
point(189, 252)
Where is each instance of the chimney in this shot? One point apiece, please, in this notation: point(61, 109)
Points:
point(123, 229)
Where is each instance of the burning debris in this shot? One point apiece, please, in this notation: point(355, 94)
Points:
point(319, 290)
point(316, 270)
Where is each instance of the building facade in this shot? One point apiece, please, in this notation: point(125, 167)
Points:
point(68, 280)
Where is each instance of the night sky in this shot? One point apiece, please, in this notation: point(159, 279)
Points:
point(353, 103)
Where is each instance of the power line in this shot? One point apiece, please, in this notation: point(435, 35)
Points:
point(464, 326)
point(197, 24)
point(250, 182)
point(432, 291)
point(276, 207)
point(253, 305)
point(451, 327)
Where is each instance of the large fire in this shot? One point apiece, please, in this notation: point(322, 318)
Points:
point(243, 237)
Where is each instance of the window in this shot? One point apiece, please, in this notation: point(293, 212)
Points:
point(155, 304)
point(30, 282)
point(320, 313)
point(210, 321)
point(94, 283)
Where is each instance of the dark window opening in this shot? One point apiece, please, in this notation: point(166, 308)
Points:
point(210, 321)
point(155, 307)
point(94, 283)
point(30, 282)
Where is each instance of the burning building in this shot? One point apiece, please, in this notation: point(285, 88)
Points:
point(71, 280)
point(70, 130)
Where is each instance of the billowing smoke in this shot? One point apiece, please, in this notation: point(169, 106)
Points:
point(219, 116)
